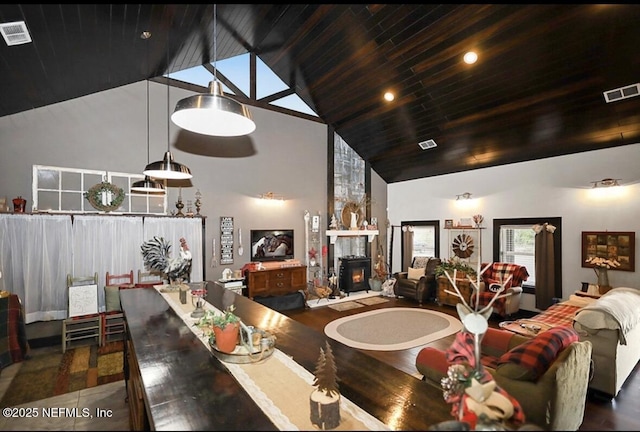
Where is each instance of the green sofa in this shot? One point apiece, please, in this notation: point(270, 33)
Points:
point(552, 397)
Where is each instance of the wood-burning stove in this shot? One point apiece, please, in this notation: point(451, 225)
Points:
point(355, 272)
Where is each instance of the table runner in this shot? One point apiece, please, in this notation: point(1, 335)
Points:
point(278, 385)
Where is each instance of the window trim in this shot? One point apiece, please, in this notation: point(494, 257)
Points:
point(557, 246)
point(428, 223)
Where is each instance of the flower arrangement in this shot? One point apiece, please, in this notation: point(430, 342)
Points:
point(600, 268)
point(602, 262)
point(477, 219)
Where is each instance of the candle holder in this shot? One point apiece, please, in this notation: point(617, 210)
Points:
point(198, 202)
point(198, 293)
point(179, 206)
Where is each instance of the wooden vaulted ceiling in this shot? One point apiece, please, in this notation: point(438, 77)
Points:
point(535, 92)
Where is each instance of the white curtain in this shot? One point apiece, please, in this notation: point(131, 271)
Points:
point(106, 244)
point(38, 251)
point(35, 257)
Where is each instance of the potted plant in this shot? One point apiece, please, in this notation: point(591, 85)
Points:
point(225, 327)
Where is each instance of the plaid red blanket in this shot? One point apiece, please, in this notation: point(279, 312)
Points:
point(13, 331)
point(557, 315)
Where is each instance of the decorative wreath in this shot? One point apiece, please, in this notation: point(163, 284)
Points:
point(94, 196)
point(463, 246)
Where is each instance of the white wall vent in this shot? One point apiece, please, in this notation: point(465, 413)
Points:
point(428, 144)
point(622, 93)
point(15, 33)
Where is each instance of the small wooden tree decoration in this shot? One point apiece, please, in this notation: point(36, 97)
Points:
point(325, 399)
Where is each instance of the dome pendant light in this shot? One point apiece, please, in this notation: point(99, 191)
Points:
point(213, 113)
point(167, 168)
point(148, 185)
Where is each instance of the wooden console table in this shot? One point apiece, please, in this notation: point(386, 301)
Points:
point(175, 383)
point(447, 299)
point(275, 282)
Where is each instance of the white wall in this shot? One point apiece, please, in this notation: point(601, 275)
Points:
point(553, 187)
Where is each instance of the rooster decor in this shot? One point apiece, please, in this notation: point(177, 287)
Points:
point(156, 254)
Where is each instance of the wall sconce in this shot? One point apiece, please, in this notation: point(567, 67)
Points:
point(272, 198)
point(464, 196)
point(607, 182)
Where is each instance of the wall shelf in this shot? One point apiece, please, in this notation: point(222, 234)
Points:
point(334, 234)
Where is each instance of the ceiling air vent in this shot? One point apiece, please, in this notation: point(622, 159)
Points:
point(15, 33)
point(424, 145)
point(622, 93)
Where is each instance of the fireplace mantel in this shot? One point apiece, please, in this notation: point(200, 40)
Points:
point(334, 234)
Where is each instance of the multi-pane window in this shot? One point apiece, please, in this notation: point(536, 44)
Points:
point(424, 241)
point(58, 189)
point(518, 246)
point(419, 238)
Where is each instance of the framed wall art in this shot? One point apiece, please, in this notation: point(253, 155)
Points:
point(226, 240)
point(613, 245)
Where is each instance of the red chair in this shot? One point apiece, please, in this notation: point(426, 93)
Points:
point(497, 274)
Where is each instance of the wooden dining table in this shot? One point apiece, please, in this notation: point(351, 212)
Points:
point(179, 384)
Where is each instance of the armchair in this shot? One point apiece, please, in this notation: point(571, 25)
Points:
point(492, 278)
point(419, 281)
point(548, 374)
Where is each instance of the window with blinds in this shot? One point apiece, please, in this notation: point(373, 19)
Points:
point(518, 246)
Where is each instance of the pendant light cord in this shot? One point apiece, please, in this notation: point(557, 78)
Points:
point(168, 75)
point(148, 127)
point(145, 36)
point(215, 41)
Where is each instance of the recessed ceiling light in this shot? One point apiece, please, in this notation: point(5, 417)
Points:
point(607, 182)
point(388, 96)
point(470, 57)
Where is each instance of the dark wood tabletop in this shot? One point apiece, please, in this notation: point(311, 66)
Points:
point(187, 388)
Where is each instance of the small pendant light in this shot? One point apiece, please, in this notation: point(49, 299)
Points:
point(148, 185)
point(167, 168)
point(213, 113)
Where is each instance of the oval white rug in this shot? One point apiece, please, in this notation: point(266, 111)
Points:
point(392, 329)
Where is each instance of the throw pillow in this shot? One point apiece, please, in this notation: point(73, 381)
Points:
point(494, 285)
point(420, 262)
point(112, 298)
point(531, 359)
point(415, 273)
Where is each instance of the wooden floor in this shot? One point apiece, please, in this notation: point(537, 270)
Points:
point(601, 413)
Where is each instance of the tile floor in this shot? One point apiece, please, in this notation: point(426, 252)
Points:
point(101, 408)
